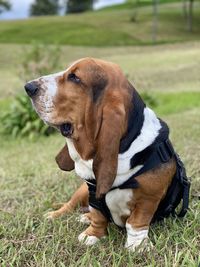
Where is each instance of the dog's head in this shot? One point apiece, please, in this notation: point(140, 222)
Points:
point(89, 103)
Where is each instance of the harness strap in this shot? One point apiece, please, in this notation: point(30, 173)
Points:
point(162, 153)
point(99, 204)
point(185, 182)
point(178, 190)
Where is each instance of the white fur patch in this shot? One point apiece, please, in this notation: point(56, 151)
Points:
point(123, 177)
point(117, 202)
point(50, 83)
point(149, 132)
point(88, 240)
point(83, 219)
point(49, 89)
point(135, 237)
point(83, 168)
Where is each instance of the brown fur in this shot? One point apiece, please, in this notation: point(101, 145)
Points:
point(152, 189)
point(80, 197)
point(64, 161)
point(99, 126)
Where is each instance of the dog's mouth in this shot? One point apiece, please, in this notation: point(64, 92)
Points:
point(66, 129)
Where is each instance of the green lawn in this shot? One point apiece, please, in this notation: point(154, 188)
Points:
point(31, 182)
point(104, 27)
point(164, 68)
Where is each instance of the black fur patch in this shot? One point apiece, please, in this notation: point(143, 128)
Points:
point(135, 121)
point(98, 86)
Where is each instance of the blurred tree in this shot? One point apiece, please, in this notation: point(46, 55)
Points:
point(44, 7)
point(190, 16)
point(155, 21)
point(188, 13)
point(4, 5)
point(76, 6)
point(135, 4)
point(184, 9)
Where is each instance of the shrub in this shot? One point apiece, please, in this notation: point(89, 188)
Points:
point(40, 60)
point(21, 119)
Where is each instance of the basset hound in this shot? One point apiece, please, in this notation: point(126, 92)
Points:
point(116, 144)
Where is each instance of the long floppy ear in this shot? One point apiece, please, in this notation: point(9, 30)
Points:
point(63, 160)
point(106, 159)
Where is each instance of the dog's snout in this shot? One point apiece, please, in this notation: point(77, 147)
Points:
point(31, 88)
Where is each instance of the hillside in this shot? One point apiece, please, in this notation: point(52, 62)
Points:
point(107, 27)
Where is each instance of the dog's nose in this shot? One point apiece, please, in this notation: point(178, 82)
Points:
point(31, 88)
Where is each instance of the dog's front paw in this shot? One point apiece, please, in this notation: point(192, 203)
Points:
point(88, 240)
point(139, 246)
point(65, 209)
point(84, 218)
point(137, 240)
point(51, 215)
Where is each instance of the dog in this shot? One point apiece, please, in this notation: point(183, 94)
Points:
point(116, 144)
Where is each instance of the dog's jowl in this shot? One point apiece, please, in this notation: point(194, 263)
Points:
point(117, 145)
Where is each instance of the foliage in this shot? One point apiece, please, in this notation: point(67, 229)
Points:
point(40, 60)
point(4, 5)
point(77, 6)
point(44, 7)
point(21, 119)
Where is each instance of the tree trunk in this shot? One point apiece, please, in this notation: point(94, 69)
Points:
point(135, 10)
point(155, 21)
point(184, 9)
point(190, 16)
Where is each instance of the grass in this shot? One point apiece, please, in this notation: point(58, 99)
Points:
point(30, 180)
point(132, 4)
point(177, 66)
point(167, 102)
point(107, 27)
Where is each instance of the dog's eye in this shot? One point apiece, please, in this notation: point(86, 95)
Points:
point(72, 77)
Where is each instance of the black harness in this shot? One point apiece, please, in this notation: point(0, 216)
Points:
point(159, 152)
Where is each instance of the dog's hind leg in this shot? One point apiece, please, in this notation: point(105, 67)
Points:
point(80, 197)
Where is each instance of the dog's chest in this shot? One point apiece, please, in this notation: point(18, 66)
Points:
point(83, 168)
